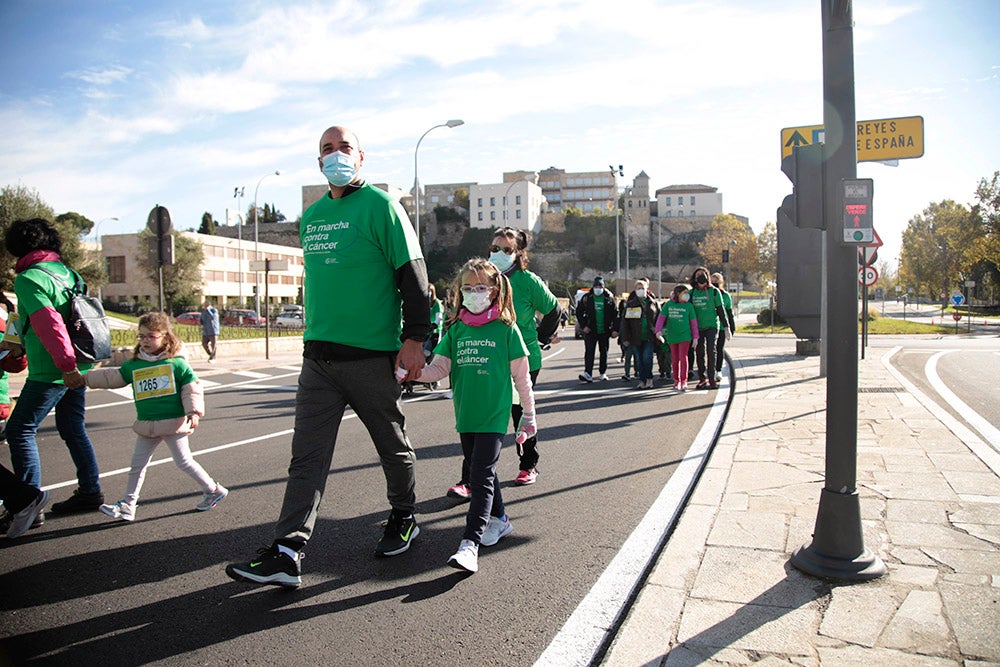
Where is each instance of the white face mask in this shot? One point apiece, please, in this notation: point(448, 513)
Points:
point(640, 293)
point(502, 260)
point(339, 168)
point(598, 291)
point(476, 303)
point(685, 297)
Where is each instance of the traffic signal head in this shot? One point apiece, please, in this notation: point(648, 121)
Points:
point(804, 168)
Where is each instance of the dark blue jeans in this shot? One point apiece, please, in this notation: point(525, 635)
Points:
point(35, 402)
point(644, 359)
point(482, 450)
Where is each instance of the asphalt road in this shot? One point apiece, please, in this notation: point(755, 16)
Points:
point(86, 589)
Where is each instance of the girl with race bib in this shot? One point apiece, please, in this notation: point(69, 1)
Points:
point(483, 353)
point(169, 402)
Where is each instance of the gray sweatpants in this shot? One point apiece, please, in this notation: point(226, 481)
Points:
point(325, 390)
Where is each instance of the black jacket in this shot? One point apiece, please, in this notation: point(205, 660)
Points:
point(586, 313)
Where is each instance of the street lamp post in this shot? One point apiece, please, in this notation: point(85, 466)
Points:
point(659, 258)
point(416, 179)
point(506, 202)
point(100, 250)
point(615, 173)
point(238, 196)
point(256, 252)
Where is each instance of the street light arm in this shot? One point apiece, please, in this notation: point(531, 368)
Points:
point(416, 178)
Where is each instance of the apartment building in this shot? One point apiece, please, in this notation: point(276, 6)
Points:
point(515, 204)
point(589, 191)
point(225, 277)
point(688, 201)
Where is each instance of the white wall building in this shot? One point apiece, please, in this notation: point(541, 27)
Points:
point(516, 204)
point(221, 278)
point(688, 201)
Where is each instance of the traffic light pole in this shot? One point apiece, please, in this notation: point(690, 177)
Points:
point(837, 549)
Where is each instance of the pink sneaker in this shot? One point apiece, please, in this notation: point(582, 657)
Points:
point(526, 477)
point(460, 491)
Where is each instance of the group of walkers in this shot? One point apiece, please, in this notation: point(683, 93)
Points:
point(695, 321)
point(489, 347)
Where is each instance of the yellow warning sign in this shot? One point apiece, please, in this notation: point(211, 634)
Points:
point(882, 139)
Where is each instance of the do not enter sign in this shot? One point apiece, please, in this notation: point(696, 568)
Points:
point(867, 276)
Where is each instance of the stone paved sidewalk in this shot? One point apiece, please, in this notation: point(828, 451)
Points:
point(723, 591)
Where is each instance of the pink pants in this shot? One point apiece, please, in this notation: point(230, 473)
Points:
point(679, 357)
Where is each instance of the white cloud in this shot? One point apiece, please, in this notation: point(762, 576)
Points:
point(101, 76)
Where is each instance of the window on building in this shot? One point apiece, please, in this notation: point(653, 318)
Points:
point(667, 202)
point(517, 199)
point(630, 203)
point(493, 215)
point(692, 213)
point(670, 214)
point(680, 214)
point(505, 200)
point(517, 214)
point(680, 200)
point(116, 269)
point(435, 199)
point(479, 202)
point(692, 200)
point(493, 201)
point(480, 215)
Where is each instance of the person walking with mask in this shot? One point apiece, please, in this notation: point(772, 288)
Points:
point(486, 358)
point(638, 329)
point(355, 236)
point(707, 302)
point(209, 330)
point(719, 282)
point(598, 315)
point(677, 316)
point(509, 253)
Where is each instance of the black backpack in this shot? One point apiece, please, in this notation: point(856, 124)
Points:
point(86, 322)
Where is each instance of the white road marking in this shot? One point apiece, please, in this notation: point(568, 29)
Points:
point(595, 617)
point(251, 374)
point(977, 421)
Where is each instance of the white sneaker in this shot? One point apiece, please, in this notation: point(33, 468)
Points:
point(603, 377)
point(467, 557)
point(586, 377)
point(22, 521)
point(718, 377)
point(496, 529)
point(120, 510)
point(210, 500)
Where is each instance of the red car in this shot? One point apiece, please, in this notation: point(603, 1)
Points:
point(242, 318)
point(194, 319)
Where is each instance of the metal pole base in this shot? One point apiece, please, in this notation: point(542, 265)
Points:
point(807, 347)
point(837, 550)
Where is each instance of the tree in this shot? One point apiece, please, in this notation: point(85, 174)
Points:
point(81, 224)
point(207, 224)
point(729, 234)
point(18, 202)
point(462, 198)
point(987, 209)
point(269, 213)
point(940, 247)
point(767, 253)
point(182, 281)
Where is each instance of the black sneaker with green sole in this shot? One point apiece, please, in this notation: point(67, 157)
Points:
point(270, 566)
point(399, 534)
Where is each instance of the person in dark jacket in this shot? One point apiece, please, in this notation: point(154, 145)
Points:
point(638, 330)
point(598, 316)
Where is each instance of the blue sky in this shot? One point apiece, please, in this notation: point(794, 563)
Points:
point(109, 108)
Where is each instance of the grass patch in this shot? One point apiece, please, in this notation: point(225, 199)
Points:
point(192, 334)
point(884, 326)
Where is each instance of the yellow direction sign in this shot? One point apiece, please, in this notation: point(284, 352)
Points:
point(882, 139)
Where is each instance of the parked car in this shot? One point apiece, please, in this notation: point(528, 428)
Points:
point(194, 319)
point(238, 317)
point(290, 320)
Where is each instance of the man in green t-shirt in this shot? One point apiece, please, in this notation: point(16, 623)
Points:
point(367, 315)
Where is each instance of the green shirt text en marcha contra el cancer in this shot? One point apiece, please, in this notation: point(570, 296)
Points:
point(705, 303)
point(480, 373)
point(352, 248)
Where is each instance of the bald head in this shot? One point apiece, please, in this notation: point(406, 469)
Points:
point(339, 139)
point(335, 136)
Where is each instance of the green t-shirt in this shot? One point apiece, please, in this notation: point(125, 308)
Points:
point(727, 300)
point(530, 296)
point(35, 290)
point(352, 248)
point(156, 386)
point(437, 316)
point(679, 318)
point(480, 373)
point(599, 302)
point(705, 303)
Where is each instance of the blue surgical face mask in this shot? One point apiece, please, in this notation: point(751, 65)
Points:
point(338, 168)
point(502, 261)
point(598, 291)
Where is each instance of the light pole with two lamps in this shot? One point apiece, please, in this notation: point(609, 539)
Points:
point(615, 173)
point(416, 179)
point(256, 252)
point(238, 196)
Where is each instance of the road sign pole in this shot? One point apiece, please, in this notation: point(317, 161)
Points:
point(837, 549)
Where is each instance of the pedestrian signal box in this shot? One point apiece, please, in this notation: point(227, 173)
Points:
point(859, 226)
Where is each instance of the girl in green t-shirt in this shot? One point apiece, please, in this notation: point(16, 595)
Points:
point(169, 402)
point(677, 314)
point(484, 355)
